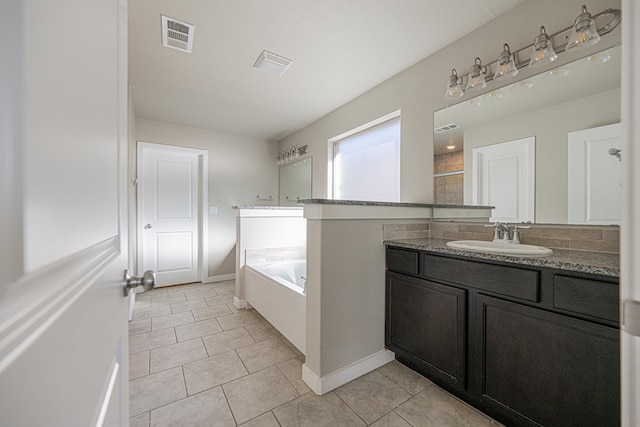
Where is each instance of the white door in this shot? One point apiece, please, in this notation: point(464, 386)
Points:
point(630, 237)
point(169, 212)
point(595, 175)
point(63, 115)
point(504, 177)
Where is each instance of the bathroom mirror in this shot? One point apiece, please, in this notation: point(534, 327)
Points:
point(295, 182)
point(548, 109)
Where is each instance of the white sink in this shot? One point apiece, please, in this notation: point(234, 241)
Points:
point(500, 248)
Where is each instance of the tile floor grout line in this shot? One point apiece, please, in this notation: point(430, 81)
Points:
point(348, 406)
point(226, 399)
point(401, 417)
point(287, 378)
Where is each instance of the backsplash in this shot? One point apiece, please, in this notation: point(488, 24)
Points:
point(405, 231)
point(576, 237)
point(258, 256)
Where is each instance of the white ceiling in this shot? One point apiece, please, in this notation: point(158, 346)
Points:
point(340, 49)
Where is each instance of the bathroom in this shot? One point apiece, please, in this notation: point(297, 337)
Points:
point(330, 361)
point(418, 122)
point(343, 244)
point(552, 226)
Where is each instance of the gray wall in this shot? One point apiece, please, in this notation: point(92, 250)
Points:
point(419, 90)
point(551, 146)
point(239, 169)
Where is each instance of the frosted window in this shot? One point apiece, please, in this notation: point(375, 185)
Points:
point(366, 165)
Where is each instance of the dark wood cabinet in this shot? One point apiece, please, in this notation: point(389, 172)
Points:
point(529, 346)
point(427, 321)
point(557, 370)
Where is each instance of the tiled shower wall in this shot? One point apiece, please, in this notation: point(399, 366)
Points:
point(576, 237)
point(448, 189)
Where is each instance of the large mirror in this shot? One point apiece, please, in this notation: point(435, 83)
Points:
point(295, 182)
point(541, 149)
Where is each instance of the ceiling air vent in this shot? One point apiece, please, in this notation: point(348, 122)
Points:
point(177, 34)
point(445, 128)
point(271, 63)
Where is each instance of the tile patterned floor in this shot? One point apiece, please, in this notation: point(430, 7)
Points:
point(195, 360)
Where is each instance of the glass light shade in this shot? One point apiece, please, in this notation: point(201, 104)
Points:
point(543, 52)
point(454, 86)
point(584, 33)
point(506, 65)
point(476, 77)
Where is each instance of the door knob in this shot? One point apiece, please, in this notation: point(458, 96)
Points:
point(147, 281)
point(147, 226)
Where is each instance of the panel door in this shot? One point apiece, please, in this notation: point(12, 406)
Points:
point(546, 367)
point(504, 176)
point(63, 313)
point(427, 321)
point(168, 225)
point(595, 175)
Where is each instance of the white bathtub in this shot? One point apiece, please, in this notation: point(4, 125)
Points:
point(276, 291)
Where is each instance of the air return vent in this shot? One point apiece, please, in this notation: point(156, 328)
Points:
point(445, 128)
point(177, 34)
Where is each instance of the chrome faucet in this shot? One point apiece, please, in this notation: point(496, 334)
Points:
point(499, 227)
point(516, 232)
point(503, 228)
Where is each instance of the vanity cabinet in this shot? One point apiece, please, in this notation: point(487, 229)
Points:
point(527, 345)
point(428, 322)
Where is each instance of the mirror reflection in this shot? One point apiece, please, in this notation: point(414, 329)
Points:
point(542, 149)
point(295, 182)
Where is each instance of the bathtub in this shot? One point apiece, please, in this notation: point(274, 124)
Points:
point(277, 291)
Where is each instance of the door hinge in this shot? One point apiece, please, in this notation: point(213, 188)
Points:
point(631, 316)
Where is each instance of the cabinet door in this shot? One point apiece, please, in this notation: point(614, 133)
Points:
point(426, 326)
point(550, 368)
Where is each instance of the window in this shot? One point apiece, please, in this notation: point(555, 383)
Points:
point(365, 162)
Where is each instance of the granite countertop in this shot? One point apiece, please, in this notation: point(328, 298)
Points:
point(607, 264)
point(399, 204)
point(295, 208)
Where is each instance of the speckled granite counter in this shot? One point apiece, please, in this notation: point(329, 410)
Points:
point(295, 208)
point(606, 264)
point(398, 204)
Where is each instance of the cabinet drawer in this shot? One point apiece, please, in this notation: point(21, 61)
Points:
point(584, 296)
point(402, 261)
point(509, 281)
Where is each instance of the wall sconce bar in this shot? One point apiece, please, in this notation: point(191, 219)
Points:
point(290, 154)
point(614, 20)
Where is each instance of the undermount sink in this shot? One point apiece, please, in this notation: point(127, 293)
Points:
point(500, 248)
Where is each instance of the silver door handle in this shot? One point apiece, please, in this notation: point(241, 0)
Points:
point(147, 226)
point(147, 281)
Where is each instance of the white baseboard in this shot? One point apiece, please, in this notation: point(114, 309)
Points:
point(344, 375)
point(220, 278)
point(239, 303)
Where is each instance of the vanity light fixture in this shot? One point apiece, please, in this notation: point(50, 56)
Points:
point(506, 65)
point(476, 76)
point(454, 86)
point(543, 52)
point(584, 33)
point(290, 154)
